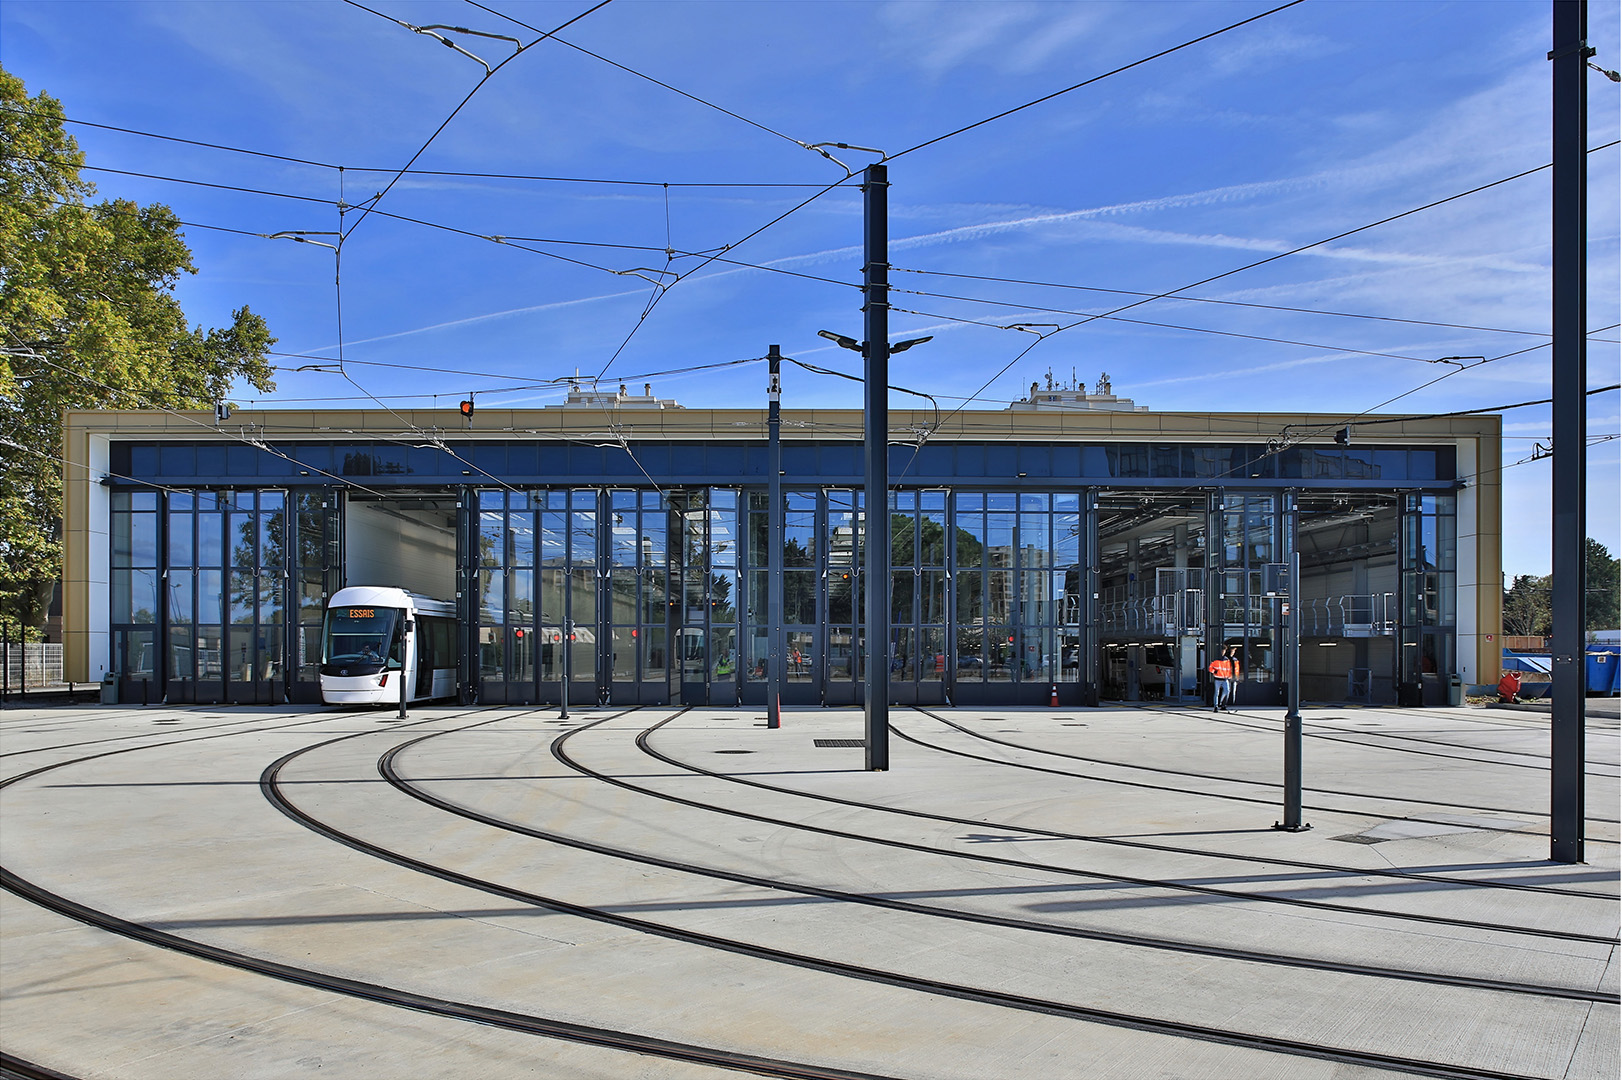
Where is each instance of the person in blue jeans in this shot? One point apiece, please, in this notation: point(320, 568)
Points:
point(1224, 676)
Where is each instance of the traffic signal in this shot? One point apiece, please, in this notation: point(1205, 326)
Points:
point(467, 409)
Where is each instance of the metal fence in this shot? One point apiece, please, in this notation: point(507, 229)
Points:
point(31, 665)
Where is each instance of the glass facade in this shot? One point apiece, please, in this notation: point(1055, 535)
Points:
point(999, 586)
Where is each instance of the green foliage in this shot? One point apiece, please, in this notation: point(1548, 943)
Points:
point(1603, 573)
point(88, 319)
point(1526, 607)
point(1527, 602)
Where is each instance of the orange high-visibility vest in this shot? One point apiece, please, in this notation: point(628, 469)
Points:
point(1221, 669)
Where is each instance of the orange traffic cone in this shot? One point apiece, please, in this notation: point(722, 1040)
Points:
point(1053, 701)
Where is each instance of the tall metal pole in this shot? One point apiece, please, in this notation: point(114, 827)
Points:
point(566, 636)
point(1290, 629)
point(774, 541)
point(1570, 464)
point(876, 432)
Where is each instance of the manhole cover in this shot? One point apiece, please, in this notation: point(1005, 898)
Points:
point(839, 742)
point(734, 751)
point(1359, 838)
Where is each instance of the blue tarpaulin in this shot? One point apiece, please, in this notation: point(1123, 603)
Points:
point(1601, 665)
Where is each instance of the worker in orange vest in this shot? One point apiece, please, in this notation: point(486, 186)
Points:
point(1224, 672)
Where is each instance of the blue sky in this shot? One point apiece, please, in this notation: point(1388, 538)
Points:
point(1299, 126)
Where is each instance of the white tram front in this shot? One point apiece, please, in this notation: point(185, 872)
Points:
point(374, 636)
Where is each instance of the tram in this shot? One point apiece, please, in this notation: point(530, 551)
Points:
point(373, 636)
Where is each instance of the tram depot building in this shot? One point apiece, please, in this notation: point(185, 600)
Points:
point(1070, 543)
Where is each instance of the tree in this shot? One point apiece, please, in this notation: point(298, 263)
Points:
point(1526, 606)
point(88, 319)
point(1528, 600)
point(1603, 573)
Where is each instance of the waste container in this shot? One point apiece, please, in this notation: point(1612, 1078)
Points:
point(109, 689)
point(1455, 690)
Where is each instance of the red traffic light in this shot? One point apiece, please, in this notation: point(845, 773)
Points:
point(467, 408)
point(518, 633)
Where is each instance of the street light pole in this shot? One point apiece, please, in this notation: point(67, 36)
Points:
point(774, 542)
point(876, 433)
point(1290, 632)
point(1568, 485)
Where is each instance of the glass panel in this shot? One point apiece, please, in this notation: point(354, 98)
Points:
point(1002, 663)
point(1034, 549)
point(270, 606)
point(654, 600)
point(180, 539)
point(552, 586)
point(903, 538)
point(999, 595)
point(143, 539)
point(799, 597)
point(521, 656)
point(932, 596)
point(583, 534)
point(970, 541)
point(554, 534)
point(800, 530)
point(134, 596)
point(971, 664)
point(121, 539)
point(492, 651)
point(759, 537)
point(181, 584)
point(758, 604)
point(801, 653)
point(241, 531)
point(723, 596)
point(622, 597)
point(622, 658)
point(932, 654)
point(210, 595)
point(724, 653)
point(269, 656)
point(520, 597)
point(582, 597)
point(210, 552)
point(903, 661)
point(271, 551)
point(901, 593)
point(139, 657)
point(971, 606)
point(210, 653)
point(932, 539)
point(840, 609)
point(1038, 591)
point(758, 646)
point(180, 653)
point(653, 659)
point(239, 654)
point(492, 546)
point(521, 539)
point(839, 655)
point(623, 537)
point(492, 596)
point(692, 655)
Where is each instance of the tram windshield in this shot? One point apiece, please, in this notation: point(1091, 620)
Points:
point(361, 635)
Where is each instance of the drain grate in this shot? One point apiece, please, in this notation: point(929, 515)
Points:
point(734, 751)
point(840, 742)
point(1359, 838)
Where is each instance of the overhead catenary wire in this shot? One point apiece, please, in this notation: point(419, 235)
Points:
point(1094, 79)
point(449, 173)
